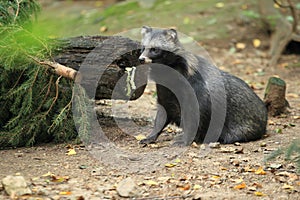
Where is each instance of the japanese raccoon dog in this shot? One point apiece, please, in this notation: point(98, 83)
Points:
point(229, 111)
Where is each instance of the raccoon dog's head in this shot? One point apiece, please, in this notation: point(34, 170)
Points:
point(159, 45)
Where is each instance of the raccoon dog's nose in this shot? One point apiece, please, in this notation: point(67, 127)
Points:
point(142, 60)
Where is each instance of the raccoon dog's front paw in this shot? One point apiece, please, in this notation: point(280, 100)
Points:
point(148, 140)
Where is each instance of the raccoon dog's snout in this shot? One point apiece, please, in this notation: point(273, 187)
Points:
point(144, 60)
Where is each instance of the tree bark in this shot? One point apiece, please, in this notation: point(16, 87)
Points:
point(275, 96)
point(107, 66)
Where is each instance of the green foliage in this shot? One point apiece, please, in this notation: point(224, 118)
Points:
point(35, 103)
point(251, 14)
point(17, 11)
point(291, 153)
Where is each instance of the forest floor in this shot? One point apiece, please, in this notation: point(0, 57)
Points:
point(233, 171)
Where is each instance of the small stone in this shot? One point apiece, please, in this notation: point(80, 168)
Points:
point(15, 185)
point(263, 144)
point(214, 145)
point(237, 144)
point(126, 187)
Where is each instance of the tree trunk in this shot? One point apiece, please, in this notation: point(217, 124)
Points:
point(282, 32)
point(107, 66)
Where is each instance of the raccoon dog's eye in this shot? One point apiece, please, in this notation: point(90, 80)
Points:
point(155, 50)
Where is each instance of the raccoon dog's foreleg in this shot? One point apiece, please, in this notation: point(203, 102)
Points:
point(161, 121)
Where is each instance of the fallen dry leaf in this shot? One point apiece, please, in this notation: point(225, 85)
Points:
point(65, 193)
point(185, 187)
point(259, 194)
point(240, 186)
point(170, 130)
point(256, 43)
point(71, 152)
point(260, 171)
point(151, 183)
point(196, 187)
point(48, 174)
point(59, 179)
point(169, 165)
point(240, 45)
point(287, 187)
point(103, 29)
point(140, 137)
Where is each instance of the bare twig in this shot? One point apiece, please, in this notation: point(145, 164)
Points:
point(293, 10)
point(280, 4)
point(18, 10)
point(59, 69)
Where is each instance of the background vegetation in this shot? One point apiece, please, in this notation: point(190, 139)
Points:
point(35, 103)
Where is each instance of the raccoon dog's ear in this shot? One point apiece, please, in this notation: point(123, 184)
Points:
point(146, 29)
point(172, 33)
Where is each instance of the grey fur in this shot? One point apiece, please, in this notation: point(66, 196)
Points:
point(229, 110)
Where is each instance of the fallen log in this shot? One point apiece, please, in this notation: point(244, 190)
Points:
point(102, 62)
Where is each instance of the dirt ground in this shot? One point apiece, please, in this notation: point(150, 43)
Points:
point(235, 171)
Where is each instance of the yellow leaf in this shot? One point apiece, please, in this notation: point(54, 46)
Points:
point(65, 193)
point(48, 174)
point(71, 152)
point(197, 187)
point(259, 194)
point(177, 160)
point(140, 137)
point(170, 130)
point(240, 186)
point(256, 42)
point(220, 5)
point(260, 171)
point(169, 165)
point(59, 179)
point(103, 29)
point(186, 20)
point(215, 177)
point(151, 183)
point(240, 45)
point(288, 187)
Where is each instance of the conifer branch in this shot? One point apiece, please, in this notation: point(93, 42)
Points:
point(56, 95)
